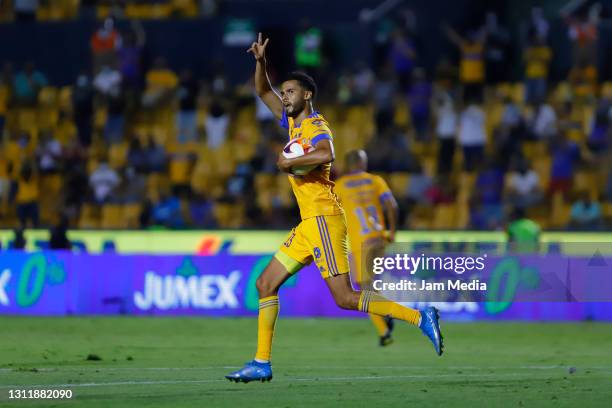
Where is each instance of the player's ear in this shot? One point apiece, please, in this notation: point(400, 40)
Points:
point(307, 95)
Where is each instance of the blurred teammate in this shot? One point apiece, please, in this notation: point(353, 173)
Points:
point(369, 205)
point(321, 235)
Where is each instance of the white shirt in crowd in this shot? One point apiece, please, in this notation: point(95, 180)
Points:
point(49, 152)
point(544, 123)
point(524, 184)
point(108, 81)
point(103, 181)
point(446, 127)
point(472, 126)
point(262, 112)
point(216, 130)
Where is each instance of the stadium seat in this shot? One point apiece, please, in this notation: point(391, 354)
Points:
point(445, 217)
point(398, 183)
point(420, 217)
point(112, 217)
point(586, 181)
point(90, 216)
point(560, 212)
point(131, 215)
point(117, 155)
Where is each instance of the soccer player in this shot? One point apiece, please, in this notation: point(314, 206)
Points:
point(321, 235)
point(368, 205)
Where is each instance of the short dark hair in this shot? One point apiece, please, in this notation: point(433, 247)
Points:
point(305, 81)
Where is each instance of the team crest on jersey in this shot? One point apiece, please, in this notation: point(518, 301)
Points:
point(317, 252)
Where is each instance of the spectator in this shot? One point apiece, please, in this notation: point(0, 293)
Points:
point(19, 242)
point(472, 68)
point(509, 134)
point(103, 182)
point(157, 158)
point(565, 153)
point(489, 187)
point(402, 55)
point(104, 44)
point(27, 196)
point(82, 102)
point(542, 125)
point(137, 156)
point(130, 56)
point(217, 122)
point(49, 154)
point(28, 84)
point(385, 89)
point(472, 136)
point(75, 190)
point(58, 238)
point(362, 82)
point(446, 129)
point(524, 187)
point(598, 138)
point(133, 187)
point(161, 85)
point(108, 83)
point(188, 92)
point(201, 212)
point(167, 212)
point(537, 57)
point(440, 192)
point(497, 48)
point(538, 25)
point(585, 214)
point(419, 96)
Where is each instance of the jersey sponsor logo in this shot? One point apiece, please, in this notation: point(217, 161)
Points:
point(317, 122)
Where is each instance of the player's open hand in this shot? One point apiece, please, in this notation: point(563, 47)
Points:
point(259, 48)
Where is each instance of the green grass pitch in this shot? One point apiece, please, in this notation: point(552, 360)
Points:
point(180, 362)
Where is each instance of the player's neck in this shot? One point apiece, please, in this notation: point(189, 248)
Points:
point(303, 115)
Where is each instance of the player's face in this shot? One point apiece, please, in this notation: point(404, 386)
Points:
point(293, 97)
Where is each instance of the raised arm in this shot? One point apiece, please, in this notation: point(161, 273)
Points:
point(452, 35)
point(262, 82)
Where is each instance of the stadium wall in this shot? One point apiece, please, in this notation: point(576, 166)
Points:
point(145, 275)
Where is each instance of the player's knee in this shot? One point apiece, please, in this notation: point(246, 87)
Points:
point(264, 287)
point(346, 301)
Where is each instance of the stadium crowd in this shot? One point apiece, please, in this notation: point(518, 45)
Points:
point(139, 145)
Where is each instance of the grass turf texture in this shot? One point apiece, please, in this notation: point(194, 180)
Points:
point(180, 362)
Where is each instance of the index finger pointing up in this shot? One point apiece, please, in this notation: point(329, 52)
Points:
point(259, 38)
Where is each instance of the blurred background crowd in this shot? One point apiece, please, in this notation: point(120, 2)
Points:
point(140, 114)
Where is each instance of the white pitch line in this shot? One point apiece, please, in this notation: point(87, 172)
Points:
point(313, 379)
point(203, 368)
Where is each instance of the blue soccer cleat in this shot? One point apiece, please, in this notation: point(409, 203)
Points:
point(431, 328)
point(387, 339)
point(252, 371)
